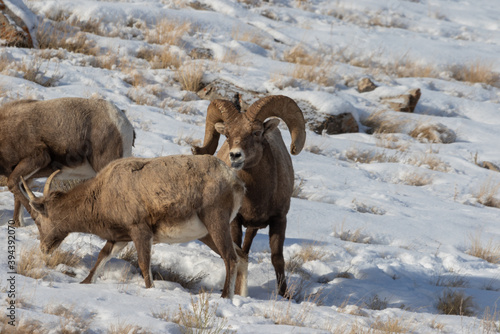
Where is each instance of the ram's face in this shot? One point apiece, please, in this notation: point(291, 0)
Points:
point(245, 145)
point(246, 141)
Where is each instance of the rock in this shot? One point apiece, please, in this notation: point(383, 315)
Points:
point(315, 121)
point(406, 102)
point(17, 25)
point(221, 89)
point(366, 85)
point(201, 53)
point(490, 166)
point(336, 124)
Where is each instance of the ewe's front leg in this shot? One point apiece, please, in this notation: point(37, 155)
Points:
point(109, 250)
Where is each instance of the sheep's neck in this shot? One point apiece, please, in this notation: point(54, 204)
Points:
point(75, 209)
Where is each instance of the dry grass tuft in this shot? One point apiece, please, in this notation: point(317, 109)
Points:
point(298, 187)
point(163, 58)
point(428, 160)
point(488, 251)
point(23, 326)
point(122, 328)
point(35, 69)
point(487, 192)
point(433, 133)
point(415, 179)
point(307, 253)
point(452, 281)
point(365, 208)
point(479, 71)
point(188, 140)
point(167, 31)
point(32, 263)
point(490, 321)
point(391, 141)
point(406, 67)
point(371, 156)
point(375, 303)
point(55, 36)
point(109, 61)
point(321, 75)
point(300, 55)
point(190, 76)
point(391, 325)
point(249, 36)
point(282, 313)
point(309, 66)
point(72, 320)
point(384, 121)
point(201, 318)
point(453, 302)
point(355, 236)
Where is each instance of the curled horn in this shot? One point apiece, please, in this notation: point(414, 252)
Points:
point(218, 111)
point(46, 188)
point(27, 190)
point(285, 108)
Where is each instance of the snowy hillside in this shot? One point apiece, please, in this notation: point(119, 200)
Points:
point(390, 230)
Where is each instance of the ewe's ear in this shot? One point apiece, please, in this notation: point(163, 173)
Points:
point(39, 207)
point(220, 128)
point(270, 125)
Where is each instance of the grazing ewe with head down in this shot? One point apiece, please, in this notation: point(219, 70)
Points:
point(256, 149)
point(169, 199)
point(79, 136)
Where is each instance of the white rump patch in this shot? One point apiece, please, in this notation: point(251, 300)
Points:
point(190, 229)
point(124, 127)
point(82, 172)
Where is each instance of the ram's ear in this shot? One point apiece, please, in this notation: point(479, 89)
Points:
point(220, 128)
point(270, 125)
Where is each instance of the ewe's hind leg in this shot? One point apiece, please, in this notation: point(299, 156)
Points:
point(217, 224)
point(26, 168)
point(143, 241)
point(18, 207)
point(109, 250)
point(18, 212)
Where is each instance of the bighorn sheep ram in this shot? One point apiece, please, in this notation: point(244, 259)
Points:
point(168, 199)
point(79, 136)
point(256, 149)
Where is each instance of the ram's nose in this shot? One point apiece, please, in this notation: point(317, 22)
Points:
point(237, 158)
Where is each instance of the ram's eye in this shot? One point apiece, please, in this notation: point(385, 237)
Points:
point(257, 133)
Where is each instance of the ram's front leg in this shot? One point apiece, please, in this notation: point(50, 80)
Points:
point(277, 228)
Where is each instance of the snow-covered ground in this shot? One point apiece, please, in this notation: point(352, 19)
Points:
point(391, 219)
